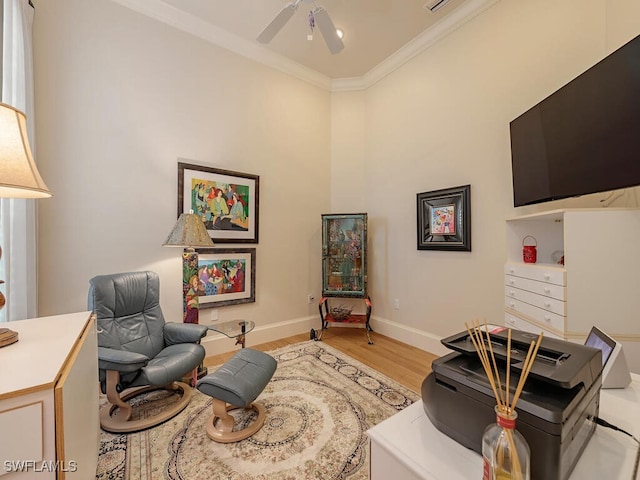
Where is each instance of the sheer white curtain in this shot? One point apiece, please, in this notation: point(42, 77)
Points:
point(18, 216)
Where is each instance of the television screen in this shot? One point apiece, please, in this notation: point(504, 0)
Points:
point(584, 138)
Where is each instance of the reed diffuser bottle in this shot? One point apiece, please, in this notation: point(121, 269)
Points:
point(505, 452)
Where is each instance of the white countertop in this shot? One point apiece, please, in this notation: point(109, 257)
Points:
point(41, 351)
point(410, 437)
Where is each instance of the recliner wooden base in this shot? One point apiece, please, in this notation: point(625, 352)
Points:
point(220, 425)
point(120, 422)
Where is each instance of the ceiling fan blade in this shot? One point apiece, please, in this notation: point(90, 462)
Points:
point(328, 30)
point(278, 22)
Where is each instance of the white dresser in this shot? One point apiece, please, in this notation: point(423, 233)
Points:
point(535, 298)
point(49, 426)
point(597, 285)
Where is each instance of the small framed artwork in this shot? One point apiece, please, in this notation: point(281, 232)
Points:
point(226, 200)
point(226, 276)
point(444, 219)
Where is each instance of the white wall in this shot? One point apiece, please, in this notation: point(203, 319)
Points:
point(442, 120)
point(348, 160)
point(119, 98)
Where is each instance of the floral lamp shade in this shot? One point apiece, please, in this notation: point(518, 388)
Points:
point(189, 231)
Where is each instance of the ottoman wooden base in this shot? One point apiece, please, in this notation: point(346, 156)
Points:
point(220, 424)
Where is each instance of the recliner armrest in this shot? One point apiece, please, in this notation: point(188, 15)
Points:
point(120, 360)
point(183, 332)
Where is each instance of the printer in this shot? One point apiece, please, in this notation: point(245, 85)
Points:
point(556, 410)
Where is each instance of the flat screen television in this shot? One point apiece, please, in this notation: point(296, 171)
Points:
point(584, 138)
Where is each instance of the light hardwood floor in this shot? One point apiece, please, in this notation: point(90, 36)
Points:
point(403, 363)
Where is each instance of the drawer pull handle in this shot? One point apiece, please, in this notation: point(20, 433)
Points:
point(512, 281)
point(548, 319)
point(547, 290)
point(512, 293)
point(511, 304)
point(512, 270)
point(547, 304)
point(546, 276)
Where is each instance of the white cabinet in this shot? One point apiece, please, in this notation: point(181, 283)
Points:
point(597, 285)
point(49, 399)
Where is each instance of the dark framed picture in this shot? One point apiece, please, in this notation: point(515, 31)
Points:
point(226, 276)
point(227, 201)
point(444, 219)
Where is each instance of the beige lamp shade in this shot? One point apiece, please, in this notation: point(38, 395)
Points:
point(19, 177)
point(189, 231)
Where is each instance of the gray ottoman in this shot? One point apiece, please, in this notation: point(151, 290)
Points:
point(236, 384)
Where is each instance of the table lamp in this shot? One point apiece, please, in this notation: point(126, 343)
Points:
point(189, 232)
point(19, 177)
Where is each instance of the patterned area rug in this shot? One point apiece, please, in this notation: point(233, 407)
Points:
point(319, 403)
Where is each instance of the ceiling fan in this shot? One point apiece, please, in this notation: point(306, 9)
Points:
point(317, 17)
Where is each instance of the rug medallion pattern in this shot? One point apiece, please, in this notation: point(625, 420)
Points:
point(319, 405)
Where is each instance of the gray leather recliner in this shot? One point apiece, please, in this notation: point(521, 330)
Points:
point(137, 351)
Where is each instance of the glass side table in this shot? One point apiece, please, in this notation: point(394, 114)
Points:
point(234, 329)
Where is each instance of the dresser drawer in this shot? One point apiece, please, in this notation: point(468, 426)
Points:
point(544, 317)
point(541, 288)
point(540, 273)
point(540, 301)
point(517, 323)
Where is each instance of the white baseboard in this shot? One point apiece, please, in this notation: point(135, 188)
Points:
point(216, 343)
point(409, 335)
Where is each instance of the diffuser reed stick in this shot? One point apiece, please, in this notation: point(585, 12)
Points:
point(507, 382)
point(506, 406)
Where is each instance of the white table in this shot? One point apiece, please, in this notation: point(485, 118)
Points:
point(49, 399)
point(407, 446)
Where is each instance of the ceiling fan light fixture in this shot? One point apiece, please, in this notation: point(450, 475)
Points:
point(318, 17)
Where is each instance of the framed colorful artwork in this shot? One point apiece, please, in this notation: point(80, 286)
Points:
point(444, 219)
point(226, 200)
point(226, 276)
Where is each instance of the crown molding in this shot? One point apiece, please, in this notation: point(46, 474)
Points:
point(453, 21)
point(348, 84)
point(168, 14)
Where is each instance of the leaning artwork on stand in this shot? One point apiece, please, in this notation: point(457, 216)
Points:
point(226, 200)
point(344, 255)
point(444, 219)
point(226, 276)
